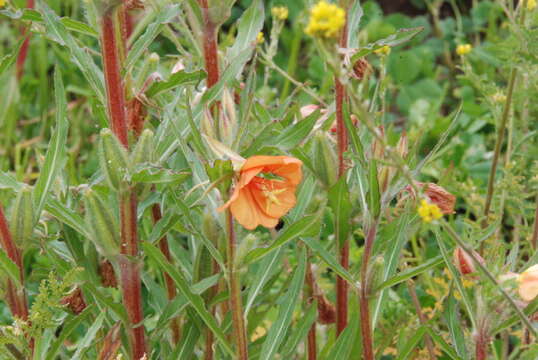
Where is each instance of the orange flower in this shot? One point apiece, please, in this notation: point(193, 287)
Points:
point(528, 283)
point(265, 191)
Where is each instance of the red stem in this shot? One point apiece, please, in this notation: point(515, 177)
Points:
point(366, 328)
point(23, 54)
point(170, 286)
point(210, 46)
point(311, 339)
point(114, 83)
point(342, 142)
point(130, 272)
point(481, 347)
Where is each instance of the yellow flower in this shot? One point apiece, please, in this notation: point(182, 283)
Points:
point(260, 39)
point(531, 4)
point(384, 50)
point(326, 20)
point(429, 212)
point(280, 12)
point(2, 3)
point(463, 49)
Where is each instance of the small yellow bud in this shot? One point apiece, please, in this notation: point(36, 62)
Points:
point(280, 12)
point(326, 20)
point(499, 97)
point(384, 50)
point(260, 39)
point(531, 5)
point(464, 49)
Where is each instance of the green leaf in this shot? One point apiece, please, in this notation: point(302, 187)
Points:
point(293, 135)
point(67, 216)
point(178, 79)
point(9, 59)
point(280, 327)
point(307, 226)
point(513, 320)
point(89, 336)
point(9, 182)
point(411, 343)
point(250, 24)
point(300, 332)
point(55, 157)
point(443, 344)
point(340, 204)
point(194, 300)
point(81, 57)
point(400, 37)
point(374, 196)
point(9, 267)
point(411, 272)
point(185, 348)
point(354, 17)
point(268, 266)
point(68, 327)
point(165, 16)
point(454, 321)
point(154, 175)
point(329, 259)
point(344, 344)
point(354, 137)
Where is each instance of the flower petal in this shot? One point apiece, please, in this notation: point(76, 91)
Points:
point(247, 212)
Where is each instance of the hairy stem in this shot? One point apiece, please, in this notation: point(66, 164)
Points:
point(130, 272)
point(366, 329)
point(170, 286)
point(311, 339)
point(341, 138)
point(481, 347)
point(210, 46)
point(238, 320)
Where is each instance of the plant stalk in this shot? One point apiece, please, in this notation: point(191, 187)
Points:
point(211, 56)
point(342, 142)
point(481, 347)
point(499, 142)
point(170, 286)
point(23, 54)
point(366, 328)
point(421, 317)
point(130, 271)
point(311, 338)
point(534, 239)
point(238, 320)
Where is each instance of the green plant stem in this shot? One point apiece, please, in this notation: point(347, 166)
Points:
point(534, 239)
point(364, 292)
point(342, 142)
point(238, 320)
point(489, 275)
point(499, 142)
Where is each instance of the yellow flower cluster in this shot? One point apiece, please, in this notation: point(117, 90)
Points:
point(326, 20)
point(384, 50)
point(2, 3)
point(429, 212)
point(280, 12)
point(531, 5)
point(464, 49)
point(260, 38)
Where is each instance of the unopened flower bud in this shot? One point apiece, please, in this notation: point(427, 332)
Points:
point(528, 283)
point(436, 195)
point(108, 276)
point(464, 262)
point(178, 67)
point(361, 68)
point(113, 159)
point(326, 310)
point(22, 216)
point(402, 146)
point(144, 149)
point(324, 159)
point(154, 58)
point(378, 149)
point(103, 224)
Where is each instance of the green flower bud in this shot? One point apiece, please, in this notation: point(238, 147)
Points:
point(22, 216)
point(324, 159)
point(113, 159)
point(103, 224)
point(249, 242)
point(143, 151)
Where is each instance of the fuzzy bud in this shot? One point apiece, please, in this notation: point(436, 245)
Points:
point(326, 310)
point(324, 159)
point(113, 159)
point(103, 224)
point(143, 151)
point(361, 68)
point(108, 276)
point(22, 216)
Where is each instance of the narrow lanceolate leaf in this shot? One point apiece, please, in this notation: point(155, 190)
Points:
point(153, 175)
point(354, 17)
point(166, 15)
point(9, 268)
point(278, 331)
point(411, 272)
point(9, 59)
point(374, 196)
point(89, 338)
point(22, 217)
point(400, 37)
point(341, 206)
point(58, 32)
point(342, 347)
point(68, 327)
point(292, 136)
point(268, 266)
point(300, 331)
point(9, 182)
point(195, 301)
point(250, 25)
point(67, 216)
point(55, 157)
point(412, 343)
point(328, 258)
point(181, 78)
point(307, 226)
